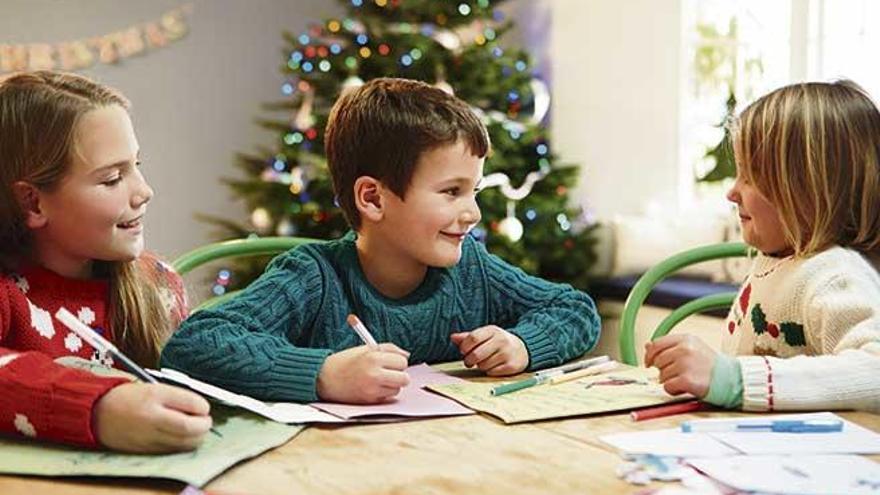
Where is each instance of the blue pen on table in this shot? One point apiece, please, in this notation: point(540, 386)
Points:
point(95, 340)
point(756, 425)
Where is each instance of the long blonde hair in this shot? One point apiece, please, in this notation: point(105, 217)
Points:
point(813, 149)
point(39, 112)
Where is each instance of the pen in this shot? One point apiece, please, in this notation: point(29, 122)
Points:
point(578, 365)
point(100, 343)
point(521, 384)
point(95, 340)
point(776, 426)
point(592, 370)
point(362, 331)
point(667, 410)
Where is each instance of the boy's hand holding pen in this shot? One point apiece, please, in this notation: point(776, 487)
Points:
point(367, 374)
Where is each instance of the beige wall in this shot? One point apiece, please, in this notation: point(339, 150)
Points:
point(616, 66)
point(194, 101)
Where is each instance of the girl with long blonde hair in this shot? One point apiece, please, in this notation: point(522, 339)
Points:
point(72, 201)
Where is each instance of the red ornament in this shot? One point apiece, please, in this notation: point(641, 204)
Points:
point(323, 52)
point(568, 244)
point(384, 49)
point(310, 51)
point(311, 133)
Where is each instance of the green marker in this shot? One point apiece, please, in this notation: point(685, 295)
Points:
point(528, 382)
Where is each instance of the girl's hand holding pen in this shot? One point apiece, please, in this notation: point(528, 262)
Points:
point(493, 350)
point(150, 418)
point(363, 374)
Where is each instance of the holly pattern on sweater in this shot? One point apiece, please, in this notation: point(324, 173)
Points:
point(807, 332)
point(41, 398)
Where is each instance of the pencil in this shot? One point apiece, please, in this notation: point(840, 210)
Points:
point(667, 410)
point(592, 370)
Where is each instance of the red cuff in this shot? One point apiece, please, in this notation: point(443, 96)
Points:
point(47, 401)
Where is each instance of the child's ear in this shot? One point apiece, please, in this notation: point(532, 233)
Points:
point(368, 198)
point(28, 198)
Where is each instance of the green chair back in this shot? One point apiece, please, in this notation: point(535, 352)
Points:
point(658, 273)
point(257, 246)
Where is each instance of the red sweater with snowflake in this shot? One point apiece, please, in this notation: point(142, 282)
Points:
point(41, 398)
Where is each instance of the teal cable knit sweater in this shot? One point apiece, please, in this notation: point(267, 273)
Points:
point(271, 340)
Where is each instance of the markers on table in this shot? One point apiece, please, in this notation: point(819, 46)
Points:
point(101, 344)
point(758, 425)
point(553, 376)
point(528, 382)
point(666, 410)
point(362, 331)
point(592, 370)
point(577, 365)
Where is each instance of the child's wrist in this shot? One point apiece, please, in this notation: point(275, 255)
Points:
point(726, 386)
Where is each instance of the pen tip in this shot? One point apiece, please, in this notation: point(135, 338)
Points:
point(352, 320)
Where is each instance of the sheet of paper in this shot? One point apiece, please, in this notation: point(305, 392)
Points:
point(413, 400)
point(283, 412)
point(796, 474)
point(588, 395)
point(854, 439)
point(244, 435)
point(668, 443)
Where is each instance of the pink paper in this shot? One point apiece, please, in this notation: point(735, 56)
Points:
point(412, 401)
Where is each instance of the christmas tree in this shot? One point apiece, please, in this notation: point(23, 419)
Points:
point(722, 153)
point(455, 46)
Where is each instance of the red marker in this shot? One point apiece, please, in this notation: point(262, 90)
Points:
point(667, 410)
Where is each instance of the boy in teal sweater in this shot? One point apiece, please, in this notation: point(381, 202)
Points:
point(406, 161)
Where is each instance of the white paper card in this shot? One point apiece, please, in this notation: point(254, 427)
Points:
point(668, 443)
point(283, 412)
point(854, 439)
point(806, 475)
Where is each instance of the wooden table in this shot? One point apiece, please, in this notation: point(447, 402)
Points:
point(469, 454)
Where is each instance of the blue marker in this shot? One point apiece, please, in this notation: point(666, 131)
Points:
point(753, 425)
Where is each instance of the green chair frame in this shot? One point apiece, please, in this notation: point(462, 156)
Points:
point(661, 271)
point(255, 246)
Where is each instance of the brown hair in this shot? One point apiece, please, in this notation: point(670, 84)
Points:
point(381, 128)
point(39, 112)
point(813, 149)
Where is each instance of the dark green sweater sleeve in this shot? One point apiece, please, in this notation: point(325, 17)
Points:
point(246, 344)
point(555, 321)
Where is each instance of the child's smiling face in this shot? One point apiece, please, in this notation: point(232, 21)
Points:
point(439, 207)
point(96, 211)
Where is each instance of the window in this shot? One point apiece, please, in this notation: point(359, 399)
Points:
point(750, 47)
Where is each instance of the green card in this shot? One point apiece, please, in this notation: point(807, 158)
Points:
point(245, 435)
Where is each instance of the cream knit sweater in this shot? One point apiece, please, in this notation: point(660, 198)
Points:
point(807, 333)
